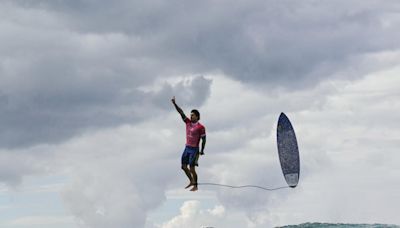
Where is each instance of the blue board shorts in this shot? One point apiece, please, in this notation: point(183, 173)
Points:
point(190, 156)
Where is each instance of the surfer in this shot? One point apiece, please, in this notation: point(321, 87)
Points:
point(194, 132)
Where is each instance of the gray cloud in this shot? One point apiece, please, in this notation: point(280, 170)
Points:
point(188, 92)
point(16, 164)
point(54, 86)
point(60, 82)
point(280, 43)
point(71, 65)
point(12, 168)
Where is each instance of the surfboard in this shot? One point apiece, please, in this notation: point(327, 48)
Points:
point(288, 151)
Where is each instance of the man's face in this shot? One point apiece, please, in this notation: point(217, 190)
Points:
point(193, 117)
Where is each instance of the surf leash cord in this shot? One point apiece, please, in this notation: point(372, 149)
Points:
point(244, 186)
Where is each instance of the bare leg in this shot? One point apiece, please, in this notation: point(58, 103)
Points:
point(194, 176)
point(188, 174)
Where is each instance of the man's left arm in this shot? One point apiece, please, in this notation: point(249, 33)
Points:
point(203, 144)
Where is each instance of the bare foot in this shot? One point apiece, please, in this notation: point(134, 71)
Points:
point(191, 184)
point(194, 189)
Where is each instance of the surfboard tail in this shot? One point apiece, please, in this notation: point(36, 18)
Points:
point(292, 179)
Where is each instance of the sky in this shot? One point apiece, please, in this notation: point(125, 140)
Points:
point(89, 137)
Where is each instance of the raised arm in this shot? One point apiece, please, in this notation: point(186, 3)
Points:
point(178, 109)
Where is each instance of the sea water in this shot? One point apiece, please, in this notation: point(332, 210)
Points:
point(340, 225)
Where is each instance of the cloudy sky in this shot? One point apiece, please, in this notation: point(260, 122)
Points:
point(89, 138)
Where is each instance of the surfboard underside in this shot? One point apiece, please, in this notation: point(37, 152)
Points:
point(288, 151)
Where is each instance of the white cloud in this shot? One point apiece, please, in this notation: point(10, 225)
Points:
point(191, 215)
point(347, 132)
point(120, 174)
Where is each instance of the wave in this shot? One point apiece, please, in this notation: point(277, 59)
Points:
point(339, 225)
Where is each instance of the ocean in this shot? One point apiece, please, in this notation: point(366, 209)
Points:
point(339, 225)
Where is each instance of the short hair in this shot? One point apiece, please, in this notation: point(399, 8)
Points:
point(196, 112)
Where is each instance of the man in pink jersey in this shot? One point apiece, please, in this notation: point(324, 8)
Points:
point(194, 132)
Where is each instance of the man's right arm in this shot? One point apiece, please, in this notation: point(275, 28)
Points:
point(178, 109)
